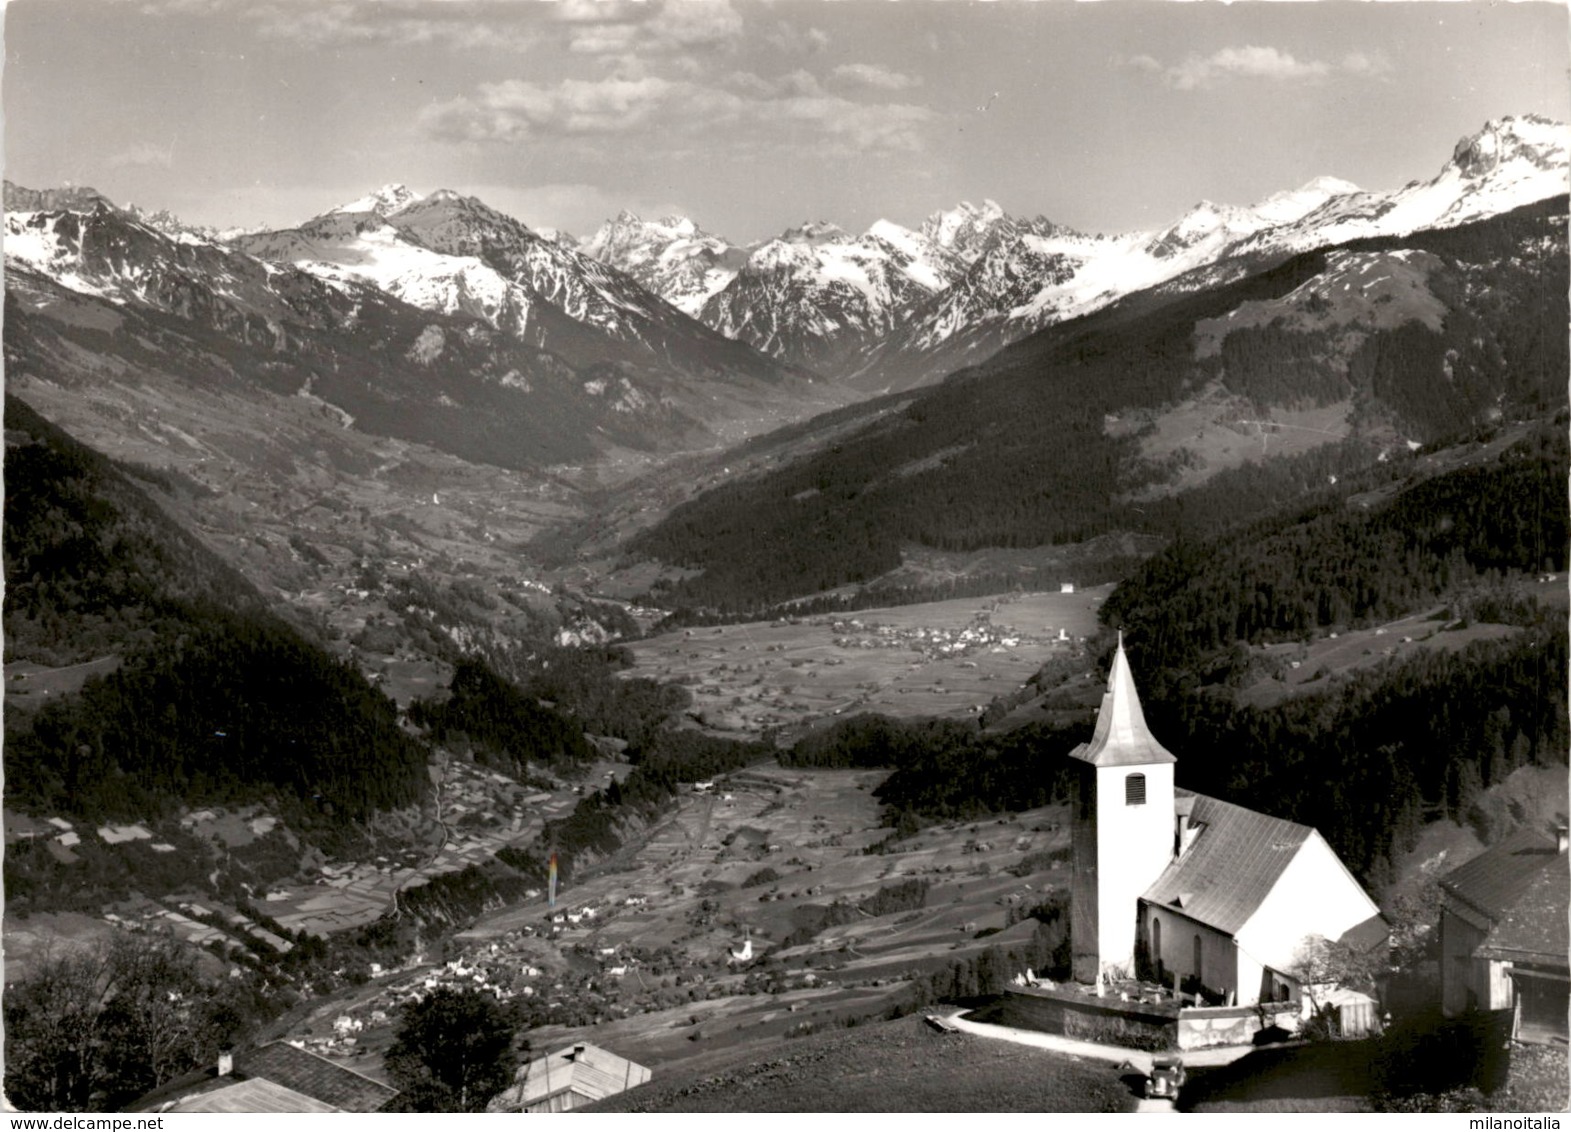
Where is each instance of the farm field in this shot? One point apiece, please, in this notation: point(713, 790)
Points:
point(946, 659)
point(650, 936)
point(29, 686)
point(481, 812)
point(1306, 667)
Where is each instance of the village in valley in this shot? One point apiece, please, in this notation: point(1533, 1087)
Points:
point(771, 905)
point(689, 557)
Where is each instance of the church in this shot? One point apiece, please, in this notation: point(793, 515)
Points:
point(1203, 889)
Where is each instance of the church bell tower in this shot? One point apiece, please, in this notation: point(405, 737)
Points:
point(1122, 828)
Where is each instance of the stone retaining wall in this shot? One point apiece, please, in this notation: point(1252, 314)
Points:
point(1139, 1025)
point(1109, 1021)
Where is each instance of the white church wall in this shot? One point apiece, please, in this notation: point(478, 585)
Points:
point(1220, 962)
point(1315, 895)
point(1134, 843)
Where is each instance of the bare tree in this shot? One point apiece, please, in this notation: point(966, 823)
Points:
point(1323, 965)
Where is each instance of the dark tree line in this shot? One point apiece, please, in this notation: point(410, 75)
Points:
point(235, 709)
point(947, 769)
point(1343, 563)
point(505, 727)
point(91, 563)
point(1383, 750)
point(215, 699)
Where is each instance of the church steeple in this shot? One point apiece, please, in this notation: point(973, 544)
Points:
point(1122, 831)
point(1121, 737)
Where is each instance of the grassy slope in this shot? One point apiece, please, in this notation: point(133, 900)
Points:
point(899, 1066)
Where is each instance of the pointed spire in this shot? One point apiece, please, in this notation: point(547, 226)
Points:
point(1122, 737)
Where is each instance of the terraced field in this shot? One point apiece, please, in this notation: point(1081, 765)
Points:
point(945, 659)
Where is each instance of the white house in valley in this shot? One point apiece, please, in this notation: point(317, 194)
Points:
point(1206, 889)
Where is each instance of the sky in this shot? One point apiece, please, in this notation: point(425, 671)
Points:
point(751, 116)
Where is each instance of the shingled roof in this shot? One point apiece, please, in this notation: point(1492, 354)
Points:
point(1497, 878)
point(316, 1077)
point(1523, 885)
point(1533, 931)
point(1231, 867)
point(1121, 737)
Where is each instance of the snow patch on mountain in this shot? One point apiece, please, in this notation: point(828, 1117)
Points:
point(372, 251)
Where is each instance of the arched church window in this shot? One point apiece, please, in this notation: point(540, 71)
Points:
point(1135, 790)
point(1199, 954)
point(1156, 943)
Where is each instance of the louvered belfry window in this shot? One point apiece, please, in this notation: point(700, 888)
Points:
point(1135, 790)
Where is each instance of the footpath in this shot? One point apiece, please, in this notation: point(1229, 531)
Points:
point(1137, 1061)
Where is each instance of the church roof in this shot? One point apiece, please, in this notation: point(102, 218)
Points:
point(1231, 867)
point(1121, 737)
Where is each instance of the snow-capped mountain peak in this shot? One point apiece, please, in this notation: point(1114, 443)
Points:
point(1531, 140)
point(1293, 204)
point(1205, 223)
point(389, 199)
point(672, 257)
point(819, 296)
point(815, 232)
point(897, 235)
point(963, 229)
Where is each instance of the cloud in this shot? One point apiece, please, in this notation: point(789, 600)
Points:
point(873, 76)
point(794, 84)
point(787, 38)
point(790, 109)
point(146, 155)
point(622, 29)
point(464, 25)
point(457, 24)
point(1198, 72)
point(516, 109)
point(1243, 62)
point(1376, 65)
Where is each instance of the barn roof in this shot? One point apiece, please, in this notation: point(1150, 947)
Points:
point(1497, 878)
point(1367, 934)
point(587, 1070)
point(317, 1077)
point(1533, 929)
point(1121, 737)
point(1232, 866)
point(251, 1095)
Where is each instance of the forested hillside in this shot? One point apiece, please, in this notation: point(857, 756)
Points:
point(1018, 452)
point(1348, 561)
point(214, 698)
point(1380, 752)
point(91, 564)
